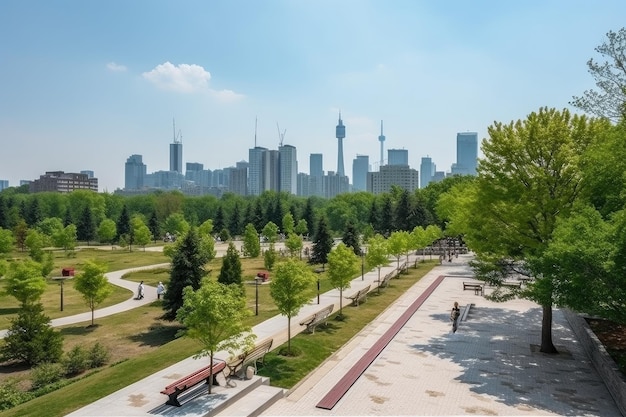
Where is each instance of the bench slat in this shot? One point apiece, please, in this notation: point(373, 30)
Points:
point(174, 389)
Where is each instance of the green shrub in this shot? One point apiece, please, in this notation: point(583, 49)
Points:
point(76, 361)
point(98, 356)
point(11, 395)
point(46, 374)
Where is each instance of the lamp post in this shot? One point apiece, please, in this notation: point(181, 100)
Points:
point(62, 293)
point(256, 301)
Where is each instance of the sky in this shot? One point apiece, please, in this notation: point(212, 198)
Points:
point(86, 84)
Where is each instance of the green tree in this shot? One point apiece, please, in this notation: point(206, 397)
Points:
point(123, 223)
point(291, 288)
point(7, 241)
point(187, 269)
point(176, 225)
point(251, 244)
point(377, 254)
point(269, 257)
point(294, 245)
point(289, 223)
point(25, 281)
point(141, 232)
point(107, 231)
point(529, 178)
point(351, 238)
point(31, 339)
point(270, 231)
point(153, 225)
point(609, 100)
point(386, 216)
point(397, 244)
point(215, 315)
point(342, 268)
point(20, 231)
point(231, 271)
point(85, 229)
point(404, 212)
point(93, 285)
point(65, 238)
point(322, 244)
point(35, 242)
point(302, 227)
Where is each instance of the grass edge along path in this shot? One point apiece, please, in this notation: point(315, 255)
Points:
point(284, 372)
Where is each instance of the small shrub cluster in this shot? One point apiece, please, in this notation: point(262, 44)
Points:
point(46, 374)
point(78, 360)
point(11, 395)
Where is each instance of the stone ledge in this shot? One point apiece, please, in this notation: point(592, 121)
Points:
point(600, 358)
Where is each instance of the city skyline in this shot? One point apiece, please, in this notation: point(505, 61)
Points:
point(88, 84)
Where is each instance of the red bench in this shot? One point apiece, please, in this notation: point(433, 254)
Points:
point(205, 374)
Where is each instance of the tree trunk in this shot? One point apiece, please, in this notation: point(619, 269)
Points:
point(546, 331)
point(210, 372)
point(289, 335)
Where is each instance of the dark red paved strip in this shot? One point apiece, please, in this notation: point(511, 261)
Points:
point(339, 390)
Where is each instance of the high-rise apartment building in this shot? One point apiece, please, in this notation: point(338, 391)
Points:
point(4, 184)
point(427, 171)
point(134, 173)
point(401, 175)
point(360, 168)
point(288, 162)
point(176, 157)
point(316, 175)
point(466, 154)
point(256, 185)
point(397, 157)
point(271, 170)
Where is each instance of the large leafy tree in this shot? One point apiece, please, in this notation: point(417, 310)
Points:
point(93, 285)
point(25, 281)
point(291, 288)
point(609, 99)
point(123, 223)
point(85, 229)
point(215, 315)
point(529, 178)
point(188, 262)
point(342, 268)
point(6, 241)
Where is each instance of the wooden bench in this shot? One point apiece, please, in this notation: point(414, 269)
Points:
point(206, 374)
point(465, 312)
point(237, 365)
point(477, 287)
point(385, 281)
point(359, 296)
point(320, 317)
point(512, 284)
point(404, 268)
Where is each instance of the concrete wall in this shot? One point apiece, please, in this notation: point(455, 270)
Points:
point(602, 361)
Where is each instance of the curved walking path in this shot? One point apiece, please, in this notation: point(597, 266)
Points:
point(114, 278)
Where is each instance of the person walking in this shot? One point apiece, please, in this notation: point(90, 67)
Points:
point(160, 290)
point(140, 291)
point(454, 316)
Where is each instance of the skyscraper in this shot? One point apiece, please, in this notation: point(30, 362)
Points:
point(360, 168)
point(316, 175)
point(288, 169)
point(466, 153)
point(255, 170)
point(397, 157)
point(134, 173)
point(340, 133)
point(381, 139)
point(176, 152)
point(427, 171)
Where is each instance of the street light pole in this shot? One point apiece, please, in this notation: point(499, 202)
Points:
point(362, 266)
point(256, 285)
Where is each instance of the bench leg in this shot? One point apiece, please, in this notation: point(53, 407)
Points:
point(173, 399)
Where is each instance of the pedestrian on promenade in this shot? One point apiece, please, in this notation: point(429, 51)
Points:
point(160, 290)
point(454, 316)
point(140, 291)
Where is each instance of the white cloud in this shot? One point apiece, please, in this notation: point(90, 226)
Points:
point(183, 78)
point(112, 66)
point(227, 96)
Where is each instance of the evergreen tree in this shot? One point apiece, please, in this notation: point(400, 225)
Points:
point(351, 238)
point(31, 339)
point(33, 214)
point(258, 217)
point(322, 244)
point(374, 217)
point(231, 271)
point(123, 223)
point(277, 211)
point(309, 216)
point(248, 216)
point(85, 229)
point(235, 221)
point(403, 213)
point(67, 220)
point(218, 221)
point(153, 225)
point(386, 216)
point(4, 221)
point(187, 270)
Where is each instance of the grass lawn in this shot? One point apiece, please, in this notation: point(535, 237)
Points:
point(141, 343)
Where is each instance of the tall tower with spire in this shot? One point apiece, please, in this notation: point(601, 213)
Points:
point(381, 138)
point(340, 133)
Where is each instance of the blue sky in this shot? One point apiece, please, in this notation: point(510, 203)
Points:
point(85, 84)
